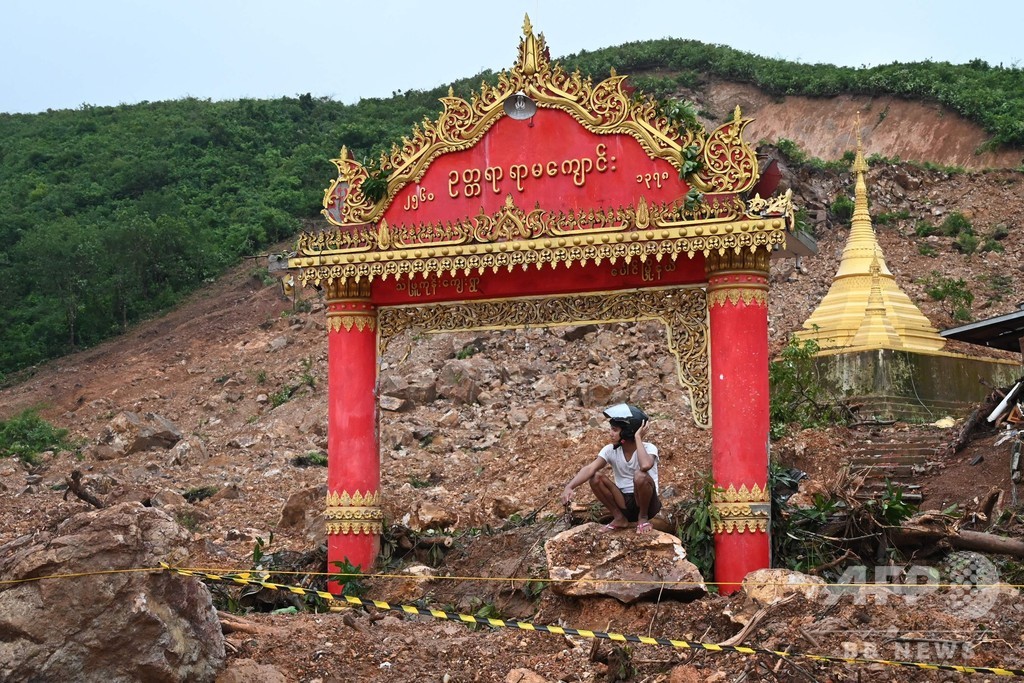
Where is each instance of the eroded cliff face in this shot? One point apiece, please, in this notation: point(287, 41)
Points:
point(826, 127)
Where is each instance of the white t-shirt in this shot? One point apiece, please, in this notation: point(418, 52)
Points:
point(623, 469)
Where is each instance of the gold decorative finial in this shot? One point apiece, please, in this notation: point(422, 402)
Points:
point(736, 115)
point(343, 155)
point(859, 165)
point(529, 56)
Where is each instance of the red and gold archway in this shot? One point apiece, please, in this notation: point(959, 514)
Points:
point(575, 214)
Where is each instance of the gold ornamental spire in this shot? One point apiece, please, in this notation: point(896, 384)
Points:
point(865, 308)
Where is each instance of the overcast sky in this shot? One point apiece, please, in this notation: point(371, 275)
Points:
point(60, 54)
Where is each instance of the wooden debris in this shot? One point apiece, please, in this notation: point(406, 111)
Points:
point(75, 486)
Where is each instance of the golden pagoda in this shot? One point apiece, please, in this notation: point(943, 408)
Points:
point(864, 308)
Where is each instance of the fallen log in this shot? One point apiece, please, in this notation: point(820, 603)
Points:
point(960, 539)
point(230, 623)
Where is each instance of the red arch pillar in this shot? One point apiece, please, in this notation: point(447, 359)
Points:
point(353, 448)
point(738, 313)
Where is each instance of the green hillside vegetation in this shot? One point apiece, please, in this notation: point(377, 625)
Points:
point(112, 214)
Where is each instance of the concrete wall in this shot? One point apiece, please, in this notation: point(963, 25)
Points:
point(913, 386)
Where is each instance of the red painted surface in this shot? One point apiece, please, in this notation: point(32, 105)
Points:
point(545, 281)
point(554, 163)
point(740, 419)
point(353, 454)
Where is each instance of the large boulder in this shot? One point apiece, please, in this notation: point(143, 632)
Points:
point(587, 560)
point(132, 432)
point(305, 509)
point(103, 625)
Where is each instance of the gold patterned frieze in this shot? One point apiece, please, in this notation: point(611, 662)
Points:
point(510, 223)
point(361, 322)
point(755, 260)
point(682, 310)
point(351, 314)
point(742, 510)
point(354, 514)
point(605, 108)
point(514, 238)
point(732, 287)
point(338, 290)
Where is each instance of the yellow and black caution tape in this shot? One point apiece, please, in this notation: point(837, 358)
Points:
point(244, 579)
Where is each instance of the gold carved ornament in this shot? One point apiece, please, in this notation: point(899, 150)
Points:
point(354, 514)
point(750, 288)
point(740, 511)
point(729, 165)
point(514, 238)
point(738, 276)
point(682, 310)
point(360, 316)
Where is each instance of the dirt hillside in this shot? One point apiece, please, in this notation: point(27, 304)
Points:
point(240, 371)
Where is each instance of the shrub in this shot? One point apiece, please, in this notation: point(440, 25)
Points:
point(953, 293)
point(27, 435)
point(888, 218)
point(991, 245)
point(797, 395)
point(842, 207)
point(955, 224)
point(923, 228)
point(966, 243)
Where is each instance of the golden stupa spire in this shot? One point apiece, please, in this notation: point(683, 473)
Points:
point(875, 330)
point(865, 308)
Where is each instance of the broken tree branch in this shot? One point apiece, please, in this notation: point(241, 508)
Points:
point(75, 486)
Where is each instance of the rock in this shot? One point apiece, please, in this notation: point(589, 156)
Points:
point(82, 630)
point(229, 492)
point(627, 566)
point(524, 676)
point(504, 507)
point(393, 404)
point(596, 394)
point(460, 379)
point(768, 586)
point(244, 441)
point(246, 670)
point(133, 432)
point(417, 386)
point(577, 332)
point(187, 451)
point(411, 585)
point(517, 417)
point(306, 508)
point(684, 673)
point(431, 516)
point(167, 499)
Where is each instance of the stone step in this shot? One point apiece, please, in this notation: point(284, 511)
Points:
point(885, 460)
point(909, 452)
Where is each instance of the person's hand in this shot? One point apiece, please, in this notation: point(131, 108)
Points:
point(642, 432)
point(566, 495)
